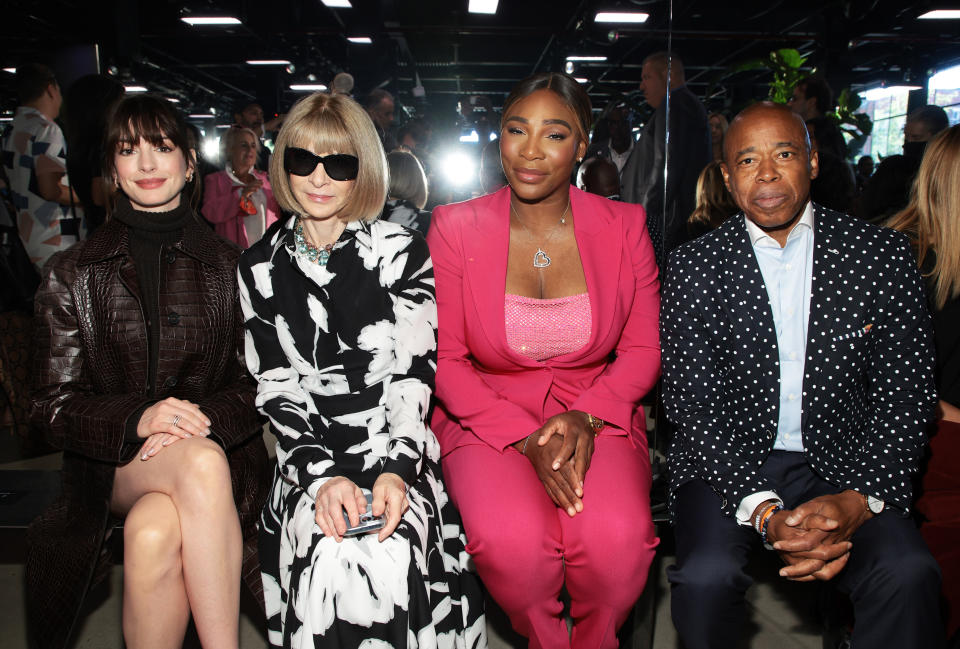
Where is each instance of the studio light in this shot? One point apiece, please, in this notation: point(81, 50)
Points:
point(337, 4)
point(482, 6)
point(621, 17)
point(941, 14)
point(268, 62)
point(574, 57)
point(135, 88)
point(307, 87)
point(211, 20)
point(360, 40)
point(459, 168)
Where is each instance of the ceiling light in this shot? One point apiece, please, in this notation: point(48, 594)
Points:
point(307, 87)
point(883, 92)
point(621, 17)
point(337, 4)
point(581, 80)
point(586, 58)
point(135, 88)
point(941, 14)
point(200, 116)
point(6, 119)
point(210, 20)
point(361, 40)
point(568, 67)
point(173, 100)
point(10, 70)
point(268, 62)
point(482, 6)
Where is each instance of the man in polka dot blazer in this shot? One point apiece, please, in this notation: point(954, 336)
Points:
point(798, 370)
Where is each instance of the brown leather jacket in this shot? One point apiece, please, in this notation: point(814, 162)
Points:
point(91, 374)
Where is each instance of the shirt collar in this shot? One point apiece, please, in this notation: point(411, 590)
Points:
point(357, 229)
point(757, 234)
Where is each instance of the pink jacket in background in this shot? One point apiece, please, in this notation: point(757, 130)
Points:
point(221, 201)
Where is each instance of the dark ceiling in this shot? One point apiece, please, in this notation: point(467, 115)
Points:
point(454, 53)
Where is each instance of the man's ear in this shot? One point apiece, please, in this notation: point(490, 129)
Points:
point(725, 172)
point(814, 164)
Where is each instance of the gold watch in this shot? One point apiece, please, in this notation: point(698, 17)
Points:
point(595, 423)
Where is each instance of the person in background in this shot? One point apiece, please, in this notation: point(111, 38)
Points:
point(888, 190)
point(932, 221)
point(491, 168)
point(714, 202)
point(140, 381)
point(380, 107)
point(250, 115)
point(342, 84)
point(613, 138)
point(407, 194)
point(34, 156)
point(865, 166)
point(548, 305)
point(341, 338)
point(599, 176)
point(718, 127)
point(642, 179)
point(87, 106)
point(239, 201)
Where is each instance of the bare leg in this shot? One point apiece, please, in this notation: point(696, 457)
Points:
point(155, 606)
point(195, 475)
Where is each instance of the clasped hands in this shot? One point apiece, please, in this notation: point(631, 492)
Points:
point(560, 452)
point(814, 539)
point(168, 421)
point(340, 494)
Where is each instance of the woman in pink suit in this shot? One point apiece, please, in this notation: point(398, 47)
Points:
point(238, 200)
point(548, 337)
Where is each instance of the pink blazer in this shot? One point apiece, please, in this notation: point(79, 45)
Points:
point(489, 394)
point(221, 198)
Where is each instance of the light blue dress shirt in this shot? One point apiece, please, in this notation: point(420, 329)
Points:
point(788, 277)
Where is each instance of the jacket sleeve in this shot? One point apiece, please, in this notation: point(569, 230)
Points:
point(301, 455)
point(901, 394)
point(415, 356)
point(232, 409)
point(614, 395)
point(464, 394)
point(220, 198)
point(693, 389)
point(72, 416)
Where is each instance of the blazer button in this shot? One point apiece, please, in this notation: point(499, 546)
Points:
point(171, 257)
point(170, 382)
point(173, 318)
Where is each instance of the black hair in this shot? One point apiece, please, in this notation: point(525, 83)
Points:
point(563, 85)
point(32, 81)
point(817, 87)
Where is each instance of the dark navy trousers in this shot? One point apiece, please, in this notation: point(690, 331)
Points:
point(891, 578)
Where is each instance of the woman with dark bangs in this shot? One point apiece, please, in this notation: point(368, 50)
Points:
point(140, 381)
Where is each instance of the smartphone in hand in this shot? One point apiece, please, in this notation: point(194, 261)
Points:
point(368, 522)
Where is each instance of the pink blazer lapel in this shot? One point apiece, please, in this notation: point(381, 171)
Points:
point(486, 243)
point(599, 237)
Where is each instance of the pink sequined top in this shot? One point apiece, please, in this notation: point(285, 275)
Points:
point(542, 329)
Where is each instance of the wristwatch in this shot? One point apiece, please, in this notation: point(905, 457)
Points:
point(595, 423)
point(875, 505)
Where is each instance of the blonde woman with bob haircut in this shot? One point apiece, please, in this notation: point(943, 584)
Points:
point(359, 541)
point(932, 221)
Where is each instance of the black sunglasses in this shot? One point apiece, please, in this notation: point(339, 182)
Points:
point(339, 166)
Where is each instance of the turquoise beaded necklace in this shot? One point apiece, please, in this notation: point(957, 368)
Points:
point(307, 249)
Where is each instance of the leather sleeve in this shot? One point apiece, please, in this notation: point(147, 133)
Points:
point(65, 407)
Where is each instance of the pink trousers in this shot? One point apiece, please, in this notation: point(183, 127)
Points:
point(525, 548)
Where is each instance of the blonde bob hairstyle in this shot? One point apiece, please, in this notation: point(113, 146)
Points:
point(328, 124)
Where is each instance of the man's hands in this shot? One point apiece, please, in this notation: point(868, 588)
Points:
point(560, 452)
point(814, 539)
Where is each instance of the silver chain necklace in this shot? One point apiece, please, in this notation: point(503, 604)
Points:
point(541, 259)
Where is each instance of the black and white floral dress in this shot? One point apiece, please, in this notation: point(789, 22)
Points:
point(345, 356)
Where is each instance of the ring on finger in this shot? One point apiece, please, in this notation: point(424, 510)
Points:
point(176, 421)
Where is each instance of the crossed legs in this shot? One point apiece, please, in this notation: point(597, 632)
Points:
point(182, 547)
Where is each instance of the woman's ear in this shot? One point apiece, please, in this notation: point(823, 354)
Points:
point(192, 165)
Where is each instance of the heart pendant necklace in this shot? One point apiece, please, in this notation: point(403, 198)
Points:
point(541, 259)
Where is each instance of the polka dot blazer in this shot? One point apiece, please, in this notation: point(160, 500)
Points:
point(868, 388)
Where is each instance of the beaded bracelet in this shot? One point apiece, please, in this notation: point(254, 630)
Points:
point(765, 523)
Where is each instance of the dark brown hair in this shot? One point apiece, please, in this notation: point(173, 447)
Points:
point(153, 119)
point(565, 87)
